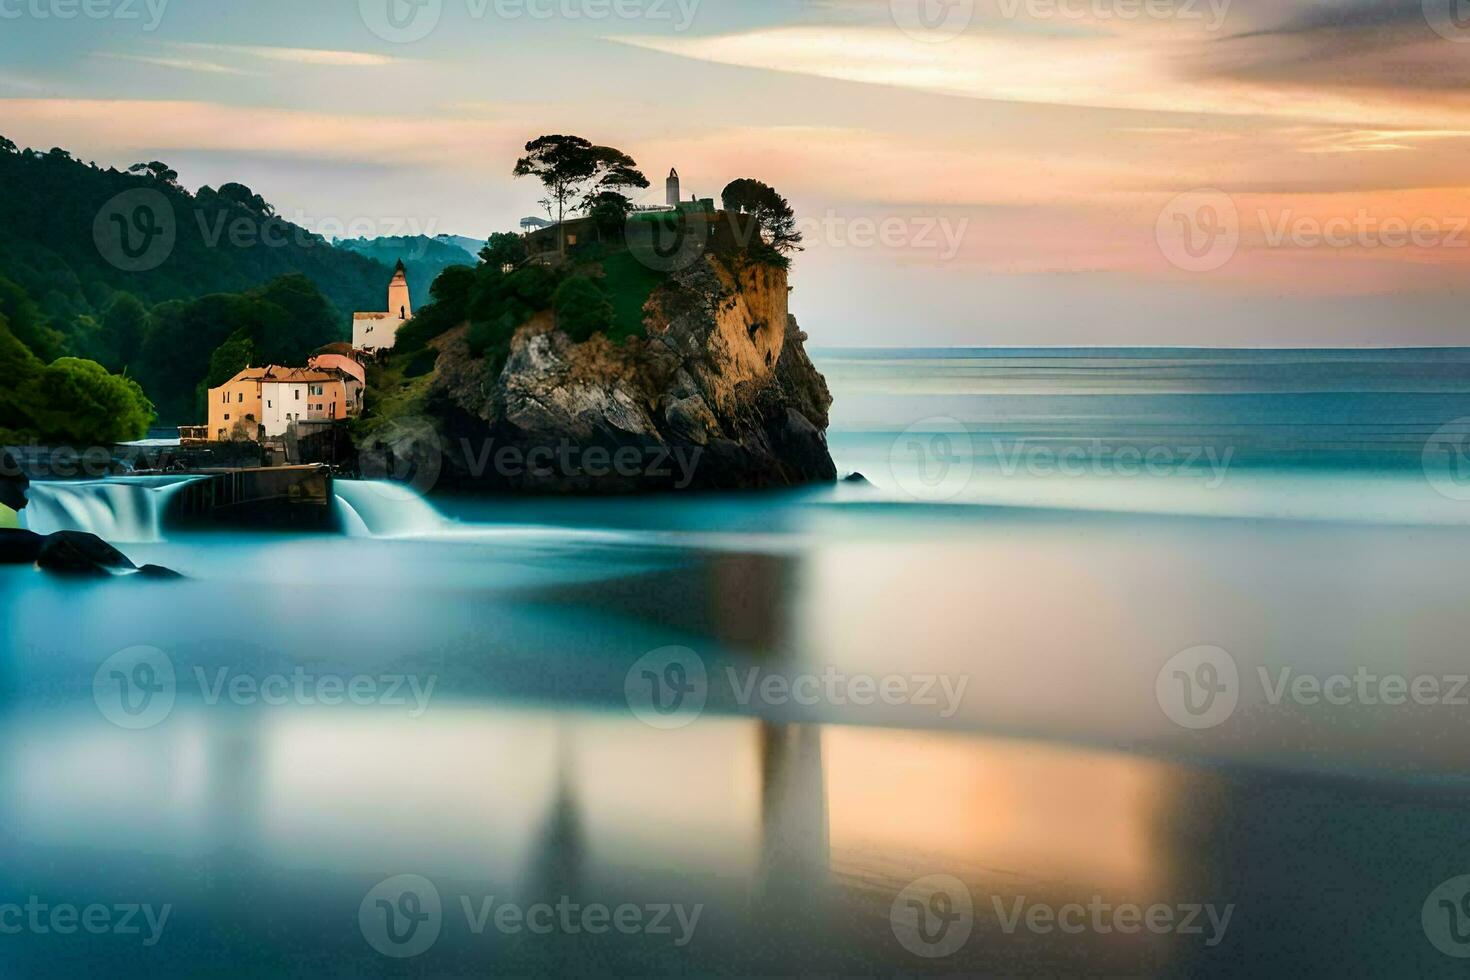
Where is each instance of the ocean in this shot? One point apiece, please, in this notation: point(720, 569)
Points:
point(1142, 662)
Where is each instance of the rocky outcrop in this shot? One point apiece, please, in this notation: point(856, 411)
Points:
point(80, 553)
point(719, 395)
point(19, 547)
point(72, 553)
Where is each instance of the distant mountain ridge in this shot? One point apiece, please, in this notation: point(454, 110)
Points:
point(423, 258)
point(59, 215)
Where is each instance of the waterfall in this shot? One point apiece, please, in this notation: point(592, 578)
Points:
point(381, 509)
point(128, 510)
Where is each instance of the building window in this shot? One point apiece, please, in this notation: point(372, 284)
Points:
point(227, 416)
point(268, 403)
point(297, 392)
point(240, 397)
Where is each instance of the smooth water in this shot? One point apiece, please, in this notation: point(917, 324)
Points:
point(507, 738)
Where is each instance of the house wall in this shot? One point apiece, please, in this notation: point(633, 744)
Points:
point(231, 403)
point(332, 399)
point(284, 401)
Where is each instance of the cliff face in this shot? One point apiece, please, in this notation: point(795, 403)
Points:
point(719, 395)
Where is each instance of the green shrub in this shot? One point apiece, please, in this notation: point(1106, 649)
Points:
point(582, 308)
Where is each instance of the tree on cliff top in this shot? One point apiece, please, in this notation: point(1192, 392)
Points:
point(777, 220)
point(574, 172)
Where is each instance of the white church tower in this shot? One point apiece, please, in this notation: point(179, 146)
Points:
point(673, 189)
point(379, 331)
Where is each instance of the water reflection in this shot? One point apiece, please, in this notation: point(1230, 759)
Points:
point(796, 838)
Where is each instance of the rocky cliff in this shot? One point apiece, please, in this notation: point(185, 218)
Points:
point(720, 394)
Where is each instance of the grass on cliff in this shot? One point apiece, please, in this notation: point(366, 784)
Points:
point(629, 283)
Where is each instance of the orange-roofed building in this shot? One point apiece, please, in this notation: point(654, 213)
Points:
point(261, 403)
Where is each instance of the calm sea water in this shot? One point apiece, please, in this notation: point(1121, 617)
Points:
point(1053, 669)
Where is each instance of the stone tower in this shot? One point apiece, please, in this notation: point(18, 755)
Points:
point(673, 187)
point(399, 306)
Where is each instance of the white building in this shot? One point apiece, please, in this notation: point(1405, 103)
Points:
point(379, 331)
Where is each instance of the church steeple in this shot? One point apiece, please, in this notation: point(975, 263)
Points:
point(399, 305)
point(674, 196)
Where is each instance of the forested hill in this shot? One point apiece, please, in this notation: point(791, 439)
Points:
point(73, 236)
point(423, 258)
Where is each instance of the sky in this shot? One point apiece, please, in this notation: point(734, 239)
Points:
point(967, 172)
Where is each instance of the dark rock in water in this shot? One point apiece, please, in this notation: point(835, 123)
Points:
point(13, 482)
point(80, 553)
point(18, 547)
point(857, 479)
point(720, 395)
point(158, 572)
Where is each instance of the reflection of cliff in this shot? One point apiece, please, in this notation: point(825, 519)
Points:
point(795, 847)
point(556, 860)
point(740, 600)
